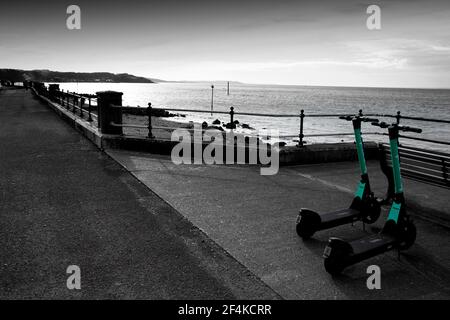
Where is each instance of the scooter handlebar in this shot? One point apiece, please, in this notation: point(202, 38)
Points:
point(364, 119)
point(380, 124)
point(400, 128)
point(372, 120)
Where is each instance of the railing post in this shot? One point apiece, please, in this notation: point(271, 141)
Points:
point(74, 102)
point(232, 118)
point(81, 106)
point(149, 114)
point(67, 100)
point(301, 135)
point(398, 116)
point(445, 171)
point(89, 111)
point(360, 113)
point(107, 114)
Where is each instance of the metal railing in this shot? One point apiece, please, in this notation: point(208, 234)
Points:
point(76, 102)
point(72, 101)
point(302, 115)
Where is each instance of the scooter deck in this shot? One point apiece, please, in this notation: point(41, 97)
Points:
point(335, 218)
point(370, 246)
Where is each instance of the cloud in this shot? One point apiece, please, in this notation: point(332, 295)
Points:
point(411, 53)
point(440, 48)
point(376, 63)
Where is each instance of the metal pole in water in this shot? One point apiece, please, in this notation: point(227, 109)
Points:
point(228, 88)
point(212, 99)
point(301, 135)
point(149, 114)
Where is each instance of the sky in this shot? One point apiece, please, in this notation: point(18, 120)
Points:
point(270, 42)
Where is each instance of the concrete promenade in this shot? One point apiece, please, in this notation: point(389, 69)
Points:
point(185, 231)
point(253, 218)
point(63, 202)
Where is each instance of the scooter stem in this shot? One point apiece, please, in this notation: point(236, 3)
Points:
point(359, 145)
point(393, 142)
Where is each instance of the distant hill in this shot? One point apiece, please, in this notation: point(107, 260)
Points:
point(16, 75)
point(157, 80)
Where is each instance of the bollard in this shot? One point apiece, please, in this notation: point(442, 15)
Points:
point(39, 87)
point(301, 135)
point(149, 113)
point(107, 114)
point(53, 90)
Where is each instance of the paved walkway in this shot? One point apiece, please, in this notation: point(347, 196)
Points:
point(64, 202)
point(253, 218)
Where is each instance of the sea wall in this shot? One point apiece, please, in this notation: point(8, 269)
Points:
point(288, 155)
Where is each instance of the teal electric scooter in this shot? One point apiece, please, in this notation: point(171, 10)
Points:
point(399, 232)
point(364, 206)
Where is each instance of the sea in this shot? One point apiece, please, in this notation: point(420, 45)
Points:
point(289, 100)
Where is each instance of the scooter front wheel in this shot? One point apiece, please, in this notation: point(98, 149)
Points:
point(336, 256)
